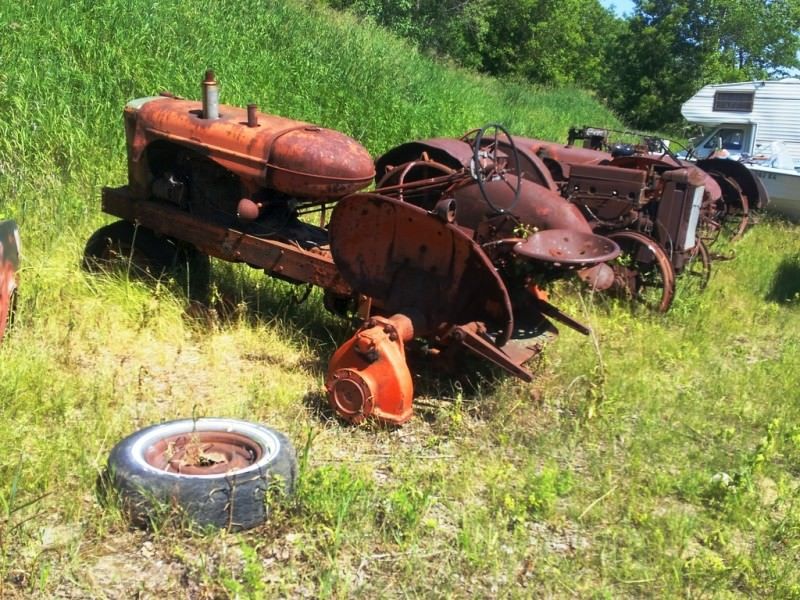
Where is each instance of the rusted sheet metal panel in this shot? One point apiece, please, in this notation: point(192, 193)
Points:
point(9, 263)
point(278, 258)
point(560, 152)
point(290, 156)
point(573, 155)
point(530, 165)
point(417, 265)
point(453, 153)
point(537, 206)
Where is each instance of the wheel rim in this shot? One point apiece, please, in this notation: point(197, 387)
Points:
point(203, 453)
point(643, 273)
point(261, 446)
point(709, 228)
point(735, 215)
point(734, 223)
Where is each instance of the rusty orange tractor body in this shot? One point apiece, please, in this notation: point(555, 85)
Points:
point(457, 271)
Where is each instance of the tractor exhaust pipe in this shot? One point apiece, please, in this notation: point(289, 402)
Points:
point(252, 115)
point(210, 96)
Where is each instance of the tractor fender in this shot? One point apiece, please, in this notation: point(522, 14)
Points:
point(757, 197)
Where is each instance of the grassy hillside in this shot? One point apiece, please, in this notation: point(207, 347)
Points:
point(658, 458)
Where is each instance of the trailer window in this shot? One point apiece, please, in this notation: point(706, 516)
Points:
point(733, 101)
point(732, 139)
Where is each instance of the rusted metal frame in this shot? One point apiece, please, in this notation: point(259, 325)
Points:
point(554, 312)
point(278, 258)
point(468, 336)
point(422, 184)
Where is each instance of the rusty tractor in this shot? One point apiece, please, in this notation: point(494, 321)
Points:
point(450, 265)
point(663, 212)
point(9, 263)
point(733, 195)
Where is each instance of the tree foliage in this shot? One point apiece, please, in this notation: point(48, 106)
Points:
point(669, 49)
point(542, 41)
point(645, 65)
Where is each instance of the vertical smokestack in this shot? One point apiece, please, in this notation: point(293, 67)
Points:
point(210, 96)
point(252, 115)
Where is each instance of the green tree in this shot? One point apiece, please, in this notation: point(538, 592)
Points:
point(669, 49)
point(542, 41)
point(438, 26)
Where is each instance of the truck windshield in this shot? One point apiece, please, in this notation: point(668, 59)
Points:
point(732, 139)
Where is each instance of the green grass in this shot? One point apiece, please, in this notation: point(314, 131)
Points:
point(658, 458)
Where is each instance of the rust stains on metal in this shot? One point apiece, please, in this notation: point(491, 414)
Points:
point(203, 453)
point(565, 248)
point(289, 156)
point(288, 260)
point(415, 264)
point(9, 263)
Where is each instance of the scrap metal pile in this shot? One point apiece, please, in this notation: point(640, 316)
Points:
point(450, 252)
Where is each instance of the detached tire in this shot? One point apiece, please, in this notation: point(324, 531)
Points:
point(214, 471)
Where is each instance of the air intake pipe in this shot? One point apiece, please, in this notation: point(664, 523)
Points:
point(210, 89)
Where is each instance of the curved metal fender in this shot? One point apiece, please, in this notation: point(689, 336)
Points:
point(415, 264)
point(756, 194)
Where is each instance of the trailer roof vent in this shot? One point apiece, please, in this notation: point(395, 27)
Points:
point(733, 101)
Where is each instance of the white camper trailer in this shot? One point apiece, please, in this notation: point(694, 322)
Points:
point(757, 122)
point(747, 117)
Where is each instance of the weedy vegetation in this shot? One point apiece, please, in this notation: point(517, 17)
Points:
point(659, 457)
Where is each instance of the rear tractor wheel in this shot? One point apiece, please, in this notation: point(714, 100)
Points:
point(141, 253)
point(643, 273)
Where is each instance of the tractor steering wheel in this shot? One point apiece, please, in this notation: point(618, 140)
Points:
point(490, 152)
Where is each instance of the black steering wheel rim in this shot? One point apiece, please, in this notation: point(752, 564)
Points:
point(480, 176)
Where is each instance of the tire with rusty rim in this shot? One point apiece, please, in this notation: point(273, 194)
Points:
point(214, 471)
point(643, 273)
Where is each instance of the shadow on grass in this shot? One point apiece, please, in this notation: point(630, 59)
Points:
point(237, 295)
point(785, 286)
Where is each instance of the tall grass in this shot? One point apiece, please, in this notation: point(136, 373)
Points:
point(75, 64)
point(657, 458)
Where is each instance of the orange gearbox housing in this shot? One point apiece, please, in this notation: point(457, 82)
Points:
point(293, 157)
point(368, 375)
